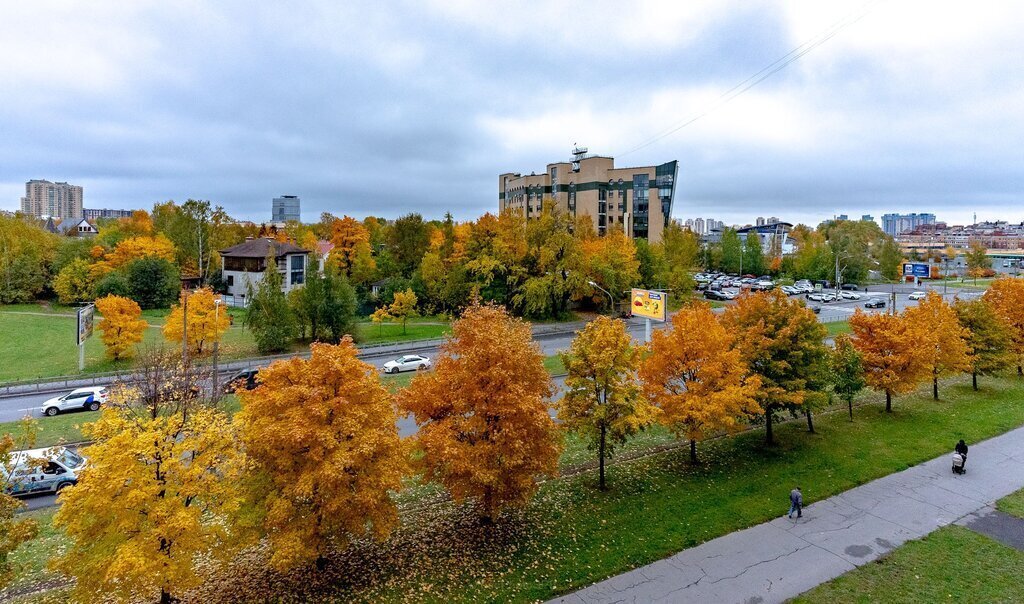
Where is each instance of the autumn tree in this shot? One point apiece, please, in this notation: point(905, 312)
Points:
point(977, 259)
point(698, 378)
point(13, 531)
point(602, 400)
point(403, 307)
point(26, 251)
point(894, 360)
point(483, 420)
point(74, 282)
point(989, 342)
point(350, 239)
point(203, 321)
point(611, 263)
point(782, 342)
point(680, 248)
point(122, 325)
point(157, 494)
point(1006, 295)
point(846, 370)
point(552, 270)
point(944, 344)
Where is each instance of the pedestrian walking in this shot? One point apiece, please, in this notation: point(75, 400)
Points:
point(796, 503)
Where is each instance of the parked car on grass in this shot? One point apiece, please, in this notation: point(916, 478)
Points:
point(78, 399)
point(409, 362)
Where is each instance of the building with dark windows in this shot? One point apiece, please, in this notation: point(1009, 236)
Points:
point(244, 264)
point(285, 208)
point(56, 199)
point(93, 214)
point(636, 200)
point(895, 224)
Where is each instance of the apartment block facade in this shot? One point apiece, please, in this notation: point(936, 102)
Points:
point(56, 199)
point(636, 200)
point(895, 224)
point(285, 208)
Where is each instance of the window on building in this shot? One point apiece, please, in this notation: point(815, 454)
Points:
point(230, 280)
point(298, 269)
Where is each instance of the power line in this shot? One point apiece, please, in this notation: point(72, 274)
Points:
point(766, 72)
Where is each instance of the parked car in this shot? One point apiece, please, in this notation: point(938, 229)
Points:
point(243, 380)
point(850, 295)
point(815, 308)
point(852, 287)
point(409, 362)
point(917, 296)
point(875, 303)
point(80, 398)
point(41, 470)
point(716, 294)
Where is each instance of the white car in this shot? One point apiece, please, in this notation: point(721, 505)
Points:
point(850, 295)
point(917, 296)
point(81, 398)
point(41, 470)
point(410, 362)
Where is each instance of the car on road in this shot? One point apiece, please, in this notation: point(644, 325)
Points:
point(875, 303)
point(80, 398)
point(243, 380)
point(849, 295)
point(41, 470)
point(825, 297)
point(409, 362)
point(851, 287)
point(815, 309)
point(917, 296)
point(717, 294)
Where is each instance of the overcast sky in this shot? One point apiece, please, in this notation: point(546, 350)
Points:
point(391, 107)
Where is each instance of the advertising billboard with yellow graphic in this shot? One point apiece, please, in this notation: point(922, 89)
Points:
point(649, 304)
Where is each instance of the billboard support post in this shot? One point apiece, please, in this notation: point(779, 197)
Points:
point(647, 330)
point(83, 331)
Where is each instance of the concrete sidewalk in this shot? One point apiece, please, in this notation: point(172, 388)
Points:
point(782, 558)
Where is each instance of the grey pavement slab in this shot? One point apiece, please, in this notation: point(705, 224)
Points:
point(782, 558)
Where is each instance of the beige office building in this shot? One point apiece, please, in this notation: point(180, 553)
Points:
point(637, 200)
point(56, 199)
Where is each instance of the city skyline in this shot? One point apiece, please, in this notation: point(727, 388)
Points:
point(146, 103)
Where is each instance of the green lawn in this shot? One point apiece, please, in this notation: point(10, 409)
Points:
point(30, 559)
point(837, 327)
point(1012, 504)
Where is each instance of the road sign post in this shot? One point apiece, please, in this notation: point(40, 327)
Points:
point(84, 330)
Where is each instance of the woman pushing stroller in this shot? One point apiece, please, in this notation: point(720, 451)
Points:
point(960, 457)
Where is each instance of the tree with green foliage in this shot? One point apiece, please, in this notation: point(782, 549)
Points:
point(890, 259)
point(113, 284)
point(680, 251)
point(269, 318)
point(339, 308)
point(977, 259)
point(408, 238)
point(846, 370)
point(152, 282)
point(26, 252)
point(753, 255)
point(732, 251)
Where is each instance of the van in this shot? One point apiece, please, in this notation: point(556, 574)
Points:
point(41, 470)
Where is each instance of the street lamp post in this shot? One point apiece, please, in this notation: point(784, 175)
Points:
point(216, 347)
point(611, 300)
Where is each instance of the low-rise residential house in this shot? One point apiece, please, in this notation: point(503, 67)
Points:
point(245, 263)
point(77, 227)
point(323, 253)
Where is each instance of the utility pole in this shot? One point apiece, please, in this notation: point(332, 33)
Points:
point(216, 347)
point(184, 327)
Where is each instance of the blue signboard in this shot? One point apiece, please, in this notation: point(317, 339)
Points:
point(916, 269)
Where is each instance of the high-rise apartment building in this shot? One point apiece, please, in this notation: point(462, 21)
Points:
point(285, 208)
point(637, 200)
point(698, 226)
point(894, 224)
point(57, 199)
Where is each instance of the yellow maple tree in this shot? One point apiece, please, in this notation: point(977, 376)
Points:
point(698, 378)
point(122, 325)
point(403, 307)
point(133, 248)
point(205, 322)
point(944, 338)
point(13, 531)
point(347, 235)
point(325, 453)
point(891, 353)
point(602, 400)
point(1006, 295)
point(484, 426)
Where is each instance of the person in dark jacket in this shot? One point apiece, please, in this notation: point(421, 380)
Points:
point(796, 503)
point(961, 448)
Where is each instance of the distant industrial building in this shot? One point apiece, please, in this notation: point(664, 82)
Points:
point(636, 200)
point(285, 208)
point(56, 199)
point(92, 214)
point(894, 224)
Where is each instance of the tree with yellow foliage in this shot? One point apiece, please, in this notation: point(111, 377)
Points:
point(1006, 295)
point(13, 532)
point(782, 343)
point(611, 263)
point(483, 420)
point(134, 248)
point(403, 307)
point(988, 338)
point(349, 236)
point(74, 282)
point(206, 323)
point(157, 494)
point(602, 400)
point(325, 453)
point(945, 346)
point(698, 378)
point(122, 325)
point(893, 358)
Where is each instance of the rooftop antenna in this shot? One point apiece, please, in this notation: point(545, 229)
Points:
point(578, 153)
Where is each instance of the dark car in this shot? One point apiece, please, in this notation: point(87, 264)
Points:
point(713, 294)
point(244, 380)
point(816, 309)
point(875, 303)
point(851, 287)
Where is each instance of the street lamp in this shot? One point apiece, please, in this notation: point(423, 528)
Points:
point(216, 345)
point(611, 300)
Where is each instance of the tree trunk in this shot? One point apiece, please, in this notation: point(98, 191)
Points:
point(693, 451)
point(974, 380)
point(849, 403)
point(1020, 370)
point(935, 387)
point(810, 420)
point(321, 563)
point(601, 445)
point(768, 439)
point(165, 597)
point(888, 401)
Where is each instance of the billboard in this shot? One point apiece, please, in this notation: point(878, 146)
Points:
point(649, 304)
point(85, 323)
point(916, 269)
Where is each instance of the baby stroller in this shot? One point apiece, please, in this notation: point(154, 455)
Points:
point(959, 461)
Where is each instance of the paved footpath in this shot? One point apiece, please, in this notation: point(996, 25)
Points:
point(782, 558)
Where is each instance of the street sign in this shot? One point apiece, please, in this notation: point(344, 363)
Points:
point(916, 269)
point(85, 315)
point(649, 304)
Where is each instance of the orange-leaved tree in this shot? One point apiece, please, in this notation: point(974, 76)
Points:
point(1006, 295)
point(602, 400)
point(350, 239)
point(988, 338)
point(482, 414)
point(782, 342)
point(122, 325)
point(891, 350)
point(325, 454)
point(698, 378)
point(205, 322)
point(944, 338)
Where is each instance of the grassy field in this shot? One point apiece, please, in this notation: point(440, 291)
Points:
point(1012, 504)
point(837, 327)
point(925, 571)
